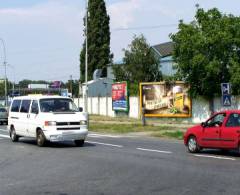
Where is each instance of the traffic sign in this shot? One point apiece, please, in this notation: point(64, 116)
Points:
point(64, 92)
point(226, 88)
point(226, 100)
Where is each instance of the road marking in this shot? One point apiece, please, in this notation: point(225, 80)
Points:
point(216, 157)
point(4, 130)
point(4, 136)
point(102, 135)
point(105, 144)
point(151, 150)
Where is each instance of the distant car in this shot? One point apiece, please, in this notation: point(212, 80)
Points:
point(222, 131)
point(3, 115)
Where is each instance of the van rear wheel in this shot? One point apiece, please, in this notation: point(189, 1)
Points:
point(14, 137)
point(41, 140)
point(79, 143)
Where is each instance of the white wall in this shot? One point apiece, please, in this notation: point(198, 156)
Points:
point(200, 107)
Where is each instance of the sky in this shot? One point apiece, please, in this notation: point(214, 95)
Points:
point(43, 38)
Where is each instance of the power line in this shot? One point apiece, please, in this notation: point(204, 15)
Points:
point(145, 27)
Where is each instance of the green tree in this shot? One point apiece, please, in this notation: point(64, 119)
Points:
point(207, 52)
point(140, 64)
point(2, 87)
point(98, 38)
point(72, 85)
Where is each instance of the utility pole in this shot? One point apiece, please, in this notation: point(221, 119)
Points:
point(71, 88)
point(5, 70)
point(13, 84)
point(86, 61)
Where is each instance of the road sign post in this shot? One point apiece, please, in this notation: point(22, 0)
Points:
point(226, 94)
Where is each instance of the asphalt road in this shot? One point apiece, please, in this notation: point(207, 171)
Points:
point(114, 165)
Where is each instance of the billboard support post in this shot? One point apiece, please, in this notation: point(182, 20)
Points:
point(143, 117)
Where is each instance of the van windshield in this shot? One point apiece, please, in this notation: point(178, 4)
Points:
point(57, 105)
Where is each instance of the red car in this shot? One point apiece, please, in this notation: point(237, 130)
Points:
point(222, 130)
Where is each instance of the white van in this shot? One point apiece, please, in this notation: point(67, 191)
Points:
point(47, 118)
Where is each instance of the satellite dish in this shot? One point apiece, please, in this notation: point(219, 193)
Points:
point(97, 74)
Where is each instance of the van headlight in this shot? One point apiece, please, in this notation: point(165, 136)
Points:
point(50, 123)
point(83, 122)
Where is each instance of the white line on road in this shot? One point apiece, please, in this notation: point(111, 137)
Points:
point(151, 150)
point(105, 144)
point(5, 136)
point(216, 157)
point(5, 130)
point(101, 135)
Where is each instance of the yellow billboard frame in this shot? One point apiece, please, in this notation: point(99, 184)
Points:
point(162, 115)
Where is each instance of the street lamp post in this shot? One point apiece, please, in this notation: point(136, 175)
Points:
point(86, 60)
point(5, 70)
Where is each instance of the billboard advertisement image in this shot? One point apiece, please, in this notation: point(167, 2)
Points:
point(165, 100)
point(120, 97)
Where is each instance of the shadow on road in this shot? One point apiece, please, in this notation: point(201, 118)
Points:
point(65, 144)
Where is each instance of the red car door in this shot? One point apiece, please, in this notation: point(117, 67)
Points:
point(210, 136)
point(230, 133)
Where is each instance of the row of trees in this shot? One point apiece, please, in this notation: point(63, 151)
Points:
point(206, 52)
point(98, 39)
point(139, 63)
point(71, 85)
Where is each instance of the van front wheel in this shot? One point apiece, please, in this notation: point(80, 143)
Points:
point(14, 137)
point(41, 140)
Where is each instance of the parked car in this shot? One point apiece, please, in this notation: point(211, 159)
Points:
point(47, 118)
point(3, 115)
point(222, 130)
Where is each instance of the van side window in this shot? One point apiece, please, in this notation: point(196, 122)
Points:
point(25, 106)
point(34, 108)
point(15, 105)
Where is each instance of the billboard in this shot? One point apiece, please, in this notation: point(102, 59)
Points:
point(161, 99)
point(56, 84)
point(120, 99)
point(38, 86)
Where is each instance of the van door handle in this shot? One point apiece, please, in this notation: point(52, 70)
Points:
point(238, 131)
point(14, 117)
point(28, 115)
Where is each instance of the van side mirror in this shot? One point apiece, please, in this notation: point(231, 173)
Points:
point(80, 109)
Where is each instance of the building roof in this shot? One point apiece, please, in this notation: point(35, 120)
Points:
point(164, 49)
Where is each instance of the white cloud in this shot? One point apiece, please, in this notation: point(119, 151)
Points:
point(45, 27)
point(52, 14)
point(122, 13)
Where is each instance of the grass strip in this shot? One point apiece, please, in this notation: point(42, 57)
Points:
point(156, 131)
point(169, 134)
